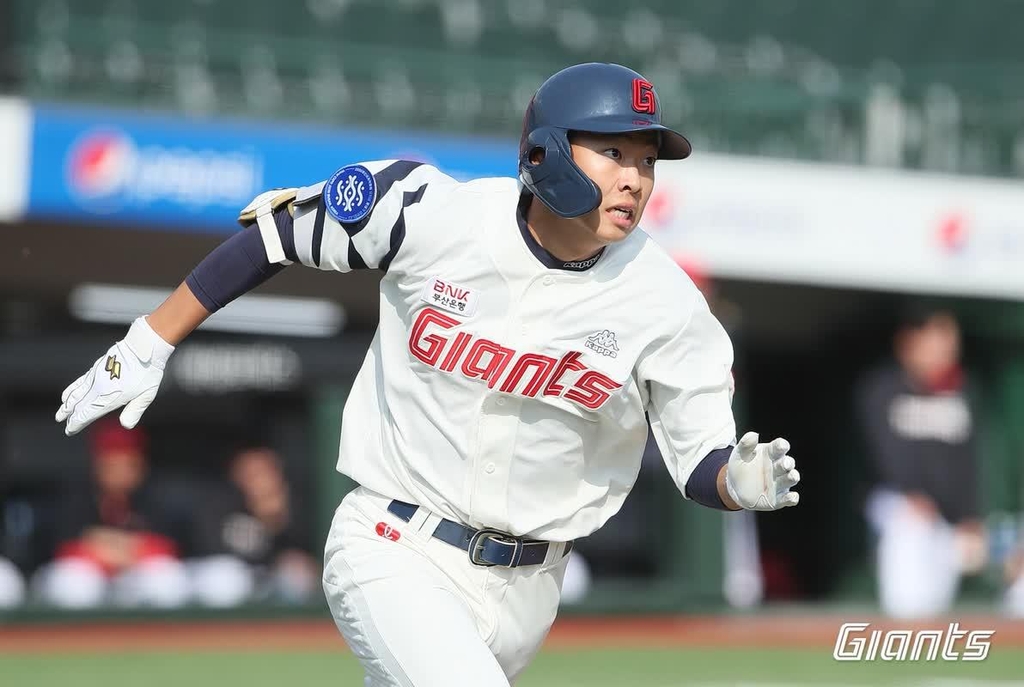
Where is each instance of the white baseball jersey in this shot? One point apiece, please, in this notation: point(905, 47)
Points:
point(500, 391)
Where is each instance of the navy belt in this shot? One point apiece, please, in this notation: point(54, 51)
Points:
point(485, 547)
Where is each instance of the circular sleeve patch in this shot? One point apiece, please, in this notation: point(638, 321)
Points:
point(349, 193)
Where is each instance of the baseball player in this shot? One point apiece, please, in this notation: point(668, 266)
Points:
point(526, 328)
point(920, 432)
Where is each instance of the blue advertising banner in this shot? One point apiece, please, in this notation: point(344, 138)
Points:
point(163, 171)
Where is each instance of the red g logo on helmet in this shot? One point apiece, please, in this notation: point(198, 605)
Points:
point(643, 96)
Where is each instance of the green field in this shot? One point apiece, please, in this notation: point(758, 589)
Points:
point(553, 668)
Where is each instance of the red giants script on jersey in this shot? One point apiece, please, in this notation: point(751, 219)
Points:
point(526, 374)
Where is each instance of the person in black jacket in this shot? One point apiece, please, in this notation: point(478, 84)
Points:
point(250, 540)
point(920, 431)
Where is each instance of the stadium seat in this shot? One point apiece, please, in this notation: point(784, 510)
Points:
point(753, 76)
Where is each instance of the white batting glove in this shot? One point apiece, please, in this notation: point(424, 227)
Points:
point(129, 375)
point(759, 476)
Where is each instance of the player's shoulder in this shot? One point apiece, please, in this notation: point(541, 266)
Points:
point(642, 271)
point(453, 215)
point(427, 183)
point(405, 174)
point(489, 201)
point(489, 189)
point(657, 271)
point(665, 265)
point(474, 193)
point(361, 184)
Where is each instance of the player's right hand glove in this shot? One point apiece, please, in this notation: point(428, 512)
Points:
point(760, 476)
point(129, 375)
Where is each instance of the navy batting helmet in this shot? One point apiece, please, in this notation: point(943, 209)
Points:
point(594, 98)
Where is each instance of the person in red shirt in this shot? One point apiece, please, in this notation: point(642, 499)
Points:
point(110, 545)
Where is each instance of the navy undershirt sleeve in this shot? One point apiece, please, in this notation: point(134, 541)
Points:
point(702, 486)
point(239, 265)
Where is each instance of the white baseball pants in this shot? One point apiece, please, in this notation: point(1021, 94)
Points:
point(417, 613)
point(917, 562)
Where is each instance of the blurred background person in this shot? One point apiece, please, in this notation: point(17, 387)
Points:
point(1013, 576)
point(112, 547)
point(12, 585)
point(12, 582)
point(250, 541)
point(577, 581)
point(921, 434)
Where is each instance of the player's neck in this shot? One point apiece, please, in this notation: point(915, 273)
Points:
point(567, 240)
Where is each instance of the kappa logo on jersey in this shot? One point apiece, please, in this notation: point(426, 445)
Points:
point(449, 296)
point(349, 193)
point(581, 265)
point(603, 342)
point(526, 374)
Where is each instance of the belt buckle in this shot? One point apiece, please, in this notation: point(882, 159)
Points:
point(480, 537)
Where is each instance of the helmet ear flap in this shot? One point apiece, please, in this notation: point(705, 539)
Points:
point(547, 169)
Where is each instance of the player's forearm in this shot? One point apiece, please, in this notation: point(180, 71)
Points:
point(723, 491)
point(178, 316)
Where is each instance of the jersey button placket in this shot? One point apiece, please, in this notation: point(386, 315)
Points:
point(498, 462)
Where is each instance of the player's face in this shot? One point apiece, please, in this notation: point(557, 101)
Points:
point(622, 166)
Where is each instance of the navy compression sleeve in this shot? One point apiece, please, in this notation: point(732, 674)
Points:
point(702, 486)
point(239, 264)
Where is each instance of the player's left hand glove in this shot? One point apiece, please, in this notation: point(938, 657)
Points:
point(759, 476)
